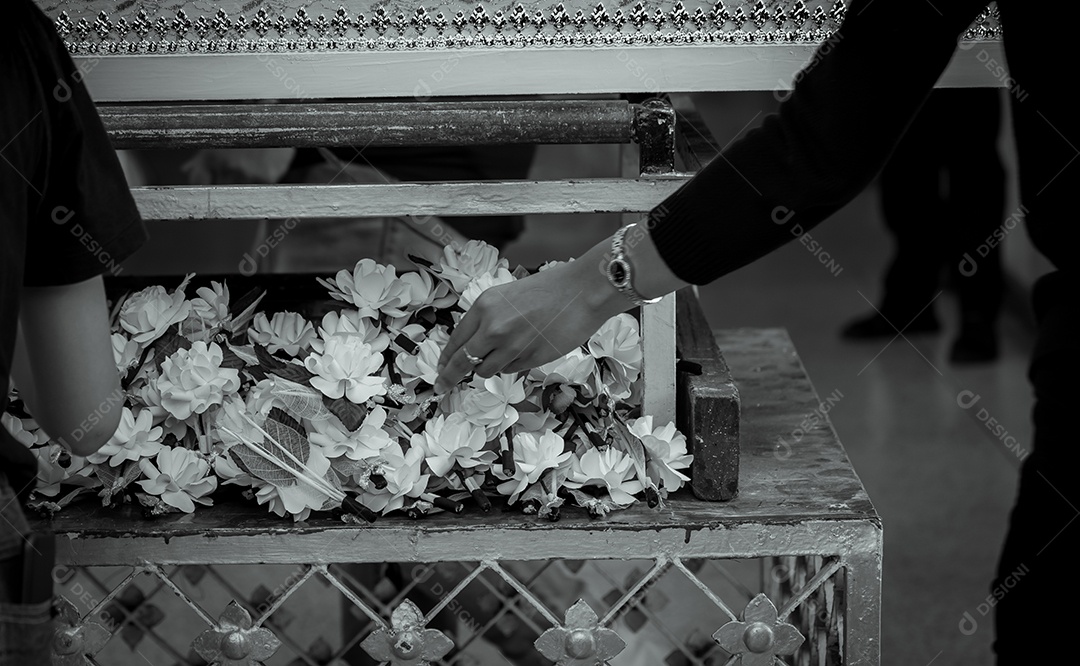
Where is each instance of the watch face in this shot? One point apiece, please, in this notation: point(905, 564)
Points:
point(618, 273)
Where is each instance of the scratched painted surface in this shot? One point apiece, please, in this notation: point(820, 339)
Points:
point(808, 499)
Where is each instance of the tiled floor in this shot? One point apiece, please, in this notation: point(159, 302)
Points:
point(941, 481)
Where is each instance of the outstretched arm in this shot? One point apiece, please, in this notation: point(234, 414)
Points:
point(850, 106)
point(63, 365)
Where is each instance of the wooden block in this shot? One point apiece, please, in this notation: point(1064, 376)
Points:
point(707, 405)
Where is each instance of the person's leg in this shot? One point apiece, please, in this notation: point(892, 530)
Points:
point(976, 212)
point(1033, 585)
point(910, 191)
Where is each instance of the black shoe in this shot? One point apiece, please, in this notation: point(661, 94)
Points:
point(977, 342)
point(875, 326)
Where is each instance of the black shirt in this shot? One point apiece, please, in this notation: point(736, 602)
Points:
point(848, 110)
point(66, 213)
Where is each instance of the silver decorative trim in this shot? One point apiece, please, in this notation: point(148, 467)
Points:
point(754, 22)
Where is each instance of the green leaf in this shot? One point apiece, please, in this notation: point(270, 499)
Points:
point(279, 415)
point(242, 310)
point(277, 472)
point(167, 345)
point(351, 414)
point(272, 365)
point(230, 360)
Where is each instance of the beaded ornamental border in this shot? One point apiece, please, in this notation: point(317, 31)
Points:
point(137, 31)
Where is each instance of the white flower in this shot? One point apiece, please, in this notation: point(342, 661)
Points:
point(349, 324)
point(367, 442)
point(192, 380)
point(462, 266)
point(125, 351)
point(347, 367)
point(371, 287)
point(297, 499)
point(618, 344)
point(609, 469)
point(286, 331)
point(135, 437)
point(423, 365)
point(667, 452)
point(25, 431)
point(232, 424)
point(212, 304)
point(180, 477)
point(421, 291)
point(148, 313)
point(402, 471)
point(482, 283)
point(577, 368)
point(51, 474)
point(229, 472)
point(451, 440)
point(533, 455)
point(489, 402)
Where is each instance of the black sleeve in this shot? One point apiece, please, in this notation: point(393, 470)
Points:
point(86, 222)
point(831, 136)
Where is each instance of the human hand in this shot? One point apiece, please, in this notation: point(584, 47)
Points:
point(529, 322)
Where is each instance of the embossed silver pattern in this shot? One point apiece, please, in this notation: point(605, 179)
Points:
point(483, 25)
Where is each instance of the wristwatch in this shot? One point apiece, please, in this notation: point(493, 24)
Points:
point(619, 272)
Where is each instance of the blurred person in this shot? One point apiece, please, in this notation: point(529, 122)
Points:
point(66, 217)
point(829, 138)
point(942, 195)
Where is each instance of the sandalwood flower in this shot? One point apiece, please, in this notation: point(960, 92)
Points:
point(667, 452)
point(533, 455)
point(287, 331)
point(125, 351)
point(347, 367)
point(349, 324)
point(404, 478)
point(148, 313)
point(371, 287)
point(192, 380)
point(51, 474)
point(209, 310)
point(489, 403)
point(618, 345)
point(367, 442)
point(421, 291)
point(423, 365)
point(576, 368)
point(232, 424)
point(610, 469)
point(180, 477)
point(135, 437)
point(460, 266)
point(482, 283)
point(25, 431)
point(451, 440)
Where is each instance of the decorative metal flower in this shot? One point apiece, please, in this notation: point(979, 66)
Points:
point(581, 641)
point(759, 637)
point(74, 639)
point(234, 642)
point(406, 642)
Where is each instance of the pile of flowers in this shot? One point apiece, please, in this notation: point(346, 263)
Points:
point(340, 414)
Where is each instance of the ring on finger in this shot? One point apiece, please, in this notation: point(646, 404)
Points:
point(473, 360)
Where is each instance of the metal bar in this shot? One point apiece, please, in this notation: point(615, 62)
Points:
point(449, 596)
point(310, 124)
point(203, 615)
point(862, 617)
point(351, 596)
point(524, 592)
point(659, 568)
point(658, 359)
point(256, 202)
point(704, 588)
point(810, 587)
point(654, 132)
